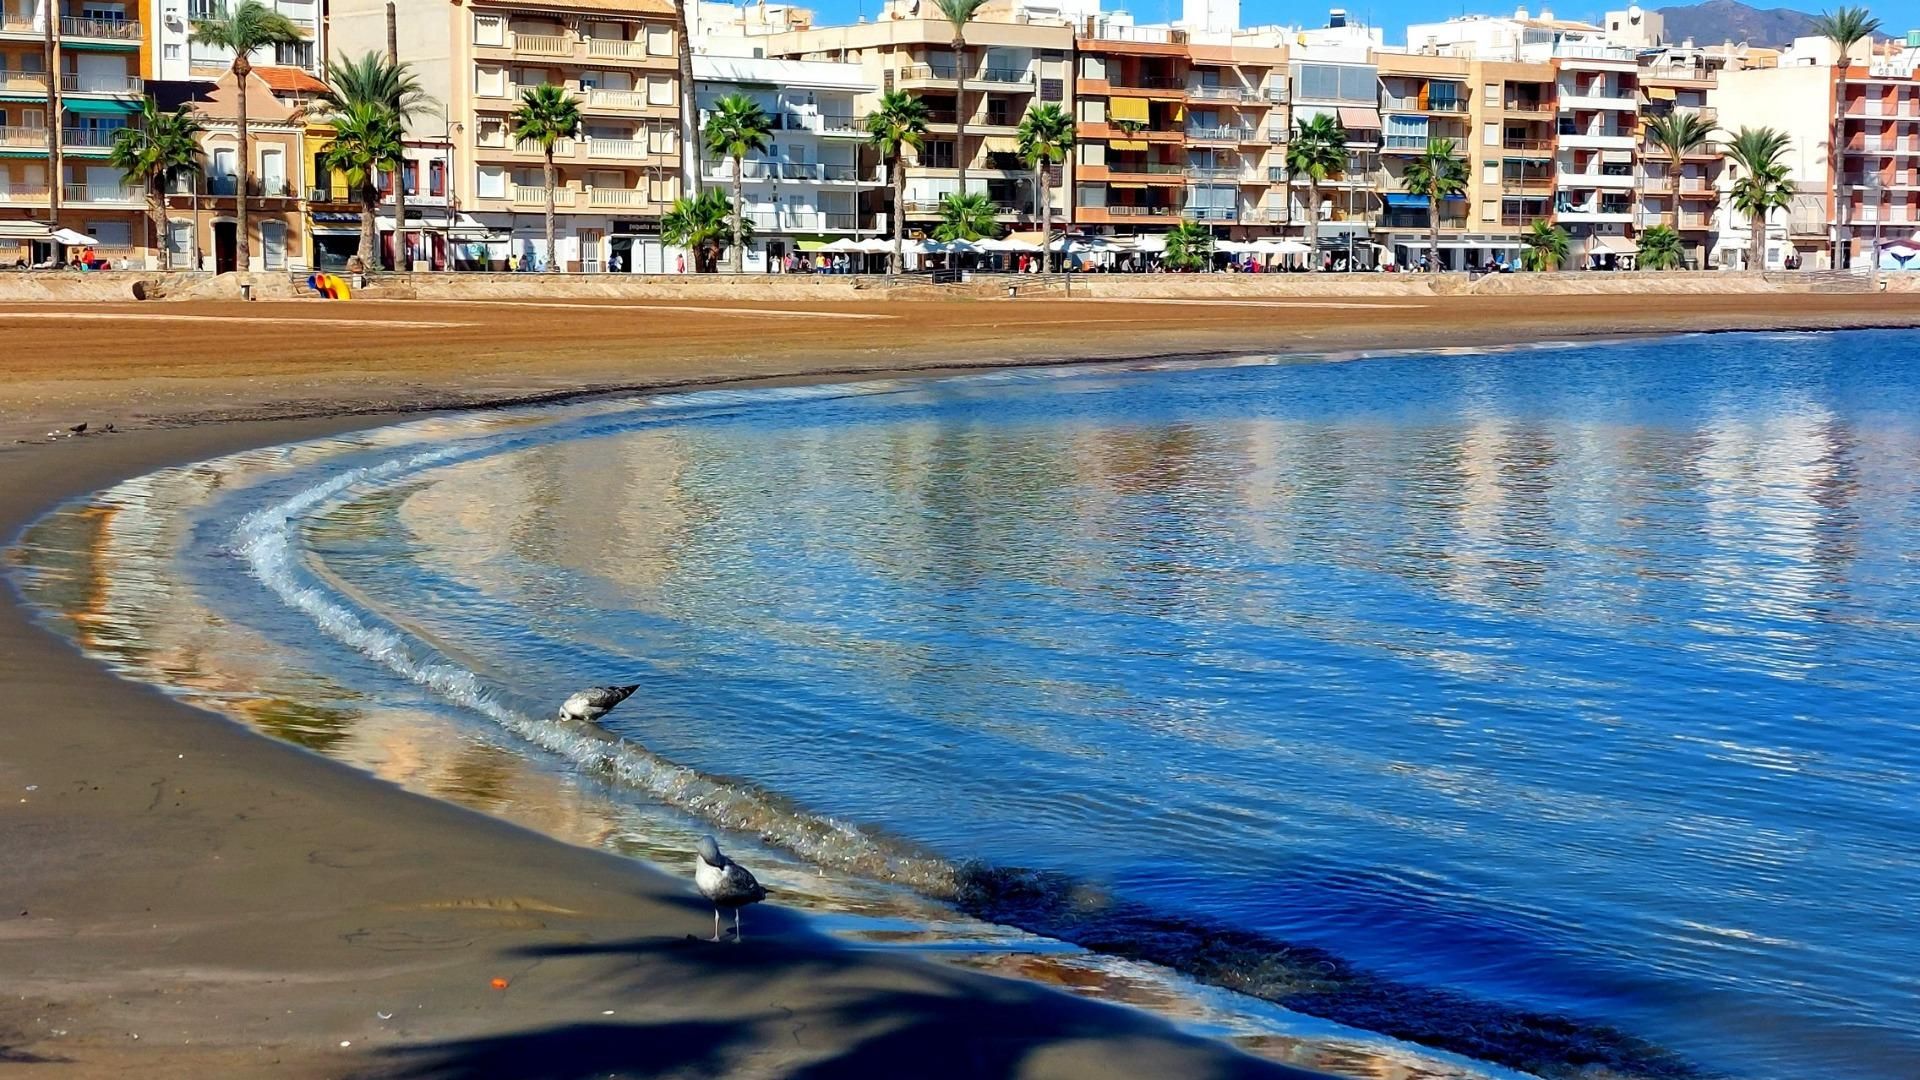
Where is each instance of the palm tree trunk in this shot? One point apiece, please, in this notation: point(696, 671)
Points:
point(740, 256)
point(1313, 221)
point(1433, 234)
point(1843, 206)
point(1757, 241)
point(899, 208)
point(960, 154)
point(369, 207)
point(552, 267)
point(1673, 176)
point(1046, 219)
point(689, 111)
point(242, 251)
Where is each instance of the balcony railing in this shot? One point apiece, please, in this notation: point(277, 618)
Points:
point(1148, 82)
point(598, 98)
point(23, 82)
point(1126, 210)
point(103, 193)
point(561, 148)
point(543, 44)
point(617, 197)
point(617, 148)
point(804, 220)
point(1003, 75)
point(15, 135)
point(101, 29)
point(84, 83)
point(1146, 168)
point(1534, 145)
point(1527, 183)
point(96, 138)
point(25, 194)
point(1100, 30)
point(1432, 105)
point(1220, 134)
point(617, 48)
point(1223, 93)
point(1278, 133)
point(535, 195)
point(786, 170)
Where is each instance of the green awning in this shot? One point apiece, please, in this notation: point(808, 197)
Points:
point(96, 107)
point(72, 45)
point(22, 151)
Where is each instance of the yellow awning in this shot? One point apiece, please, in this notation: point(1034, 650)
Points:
point(1124, 108)
point(1662, 93)
point(1129, 185)
point(1126, 144)
point(1179, 114)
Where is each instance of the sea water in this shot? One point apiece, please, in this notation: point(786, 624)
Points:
point(1545, 708)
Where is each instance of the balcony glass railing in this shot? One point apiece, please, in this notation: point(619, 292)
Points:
point(88, 83)
point(101, 29)
point(91, 137)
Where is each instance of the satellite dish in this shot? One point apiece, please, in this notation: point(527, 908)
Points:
point(1633, 13)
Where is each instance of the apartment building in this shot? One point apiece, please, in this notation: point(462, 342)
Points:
point(1131, 133)
point(1878, 168)
point(810, 186)
point(1796, 100)
point(1679, 80)
point(614, 180)
point(1239, 89)
point(1010, 67)
point(173, 57)
point(1333, 72)
point(56, 130)
point(1598, 94)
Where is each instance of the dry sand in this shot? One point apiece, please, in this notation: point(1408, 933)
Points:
point(184, 898)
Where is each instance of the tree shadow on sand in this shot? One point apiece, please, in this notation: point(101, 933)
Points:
point(808, 1010)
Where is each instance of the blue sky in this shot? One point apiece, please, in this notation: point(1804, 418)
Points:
point(1390, 15)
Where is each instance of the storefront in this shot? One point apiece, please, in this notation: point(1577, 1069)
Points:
point(334, 238)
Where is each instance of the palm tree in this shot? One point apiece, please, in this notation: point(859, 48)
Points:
point(960, 13)
point(898, 125)
point(1845, 27)
point(547, 114)
point(160, 147)
point(1545, 244)
point(1763, 187)
point(1661, 249)
point(1436, 174)
point(1189, 245)
point(250, 26)
point(689, 110)
point(377, 79)
point(366, 142)
point(966, 215)
point(1318, 150)
point(701, 224)
point(1679, 133)
point(1046, 134)
point(736, 127)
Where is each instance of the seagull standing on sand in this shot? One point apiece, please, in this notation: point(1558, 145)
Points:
point(595, 702)
point(726, 883)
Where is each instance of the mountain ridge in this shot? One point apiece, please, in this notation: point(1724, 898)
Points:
point(1715, 21)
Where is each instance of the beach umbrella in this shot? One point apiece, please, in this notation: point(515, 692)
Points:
point(875, 246)
point(1277, 246)
point(844, 244)
point(71, 238)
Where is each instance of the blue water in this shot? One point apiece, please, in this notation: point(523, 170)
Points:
point(1554, 706)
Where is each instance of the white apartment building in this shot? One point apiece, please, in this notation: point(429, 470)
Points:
point(1333, 71)
point(806, 189)
point(176, 58)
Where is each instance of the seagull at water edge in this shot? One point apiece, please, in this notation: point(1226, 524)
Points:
point(726, 883)
point(595, 702)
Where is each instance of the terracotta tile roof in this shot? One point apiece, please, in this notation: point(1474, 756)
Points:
point(289, 80)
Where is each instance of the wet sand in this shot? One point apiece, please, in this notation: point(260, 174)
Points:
point(185, 898)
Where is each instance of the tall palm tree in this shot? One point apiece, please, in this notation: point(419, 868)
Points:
point(1661, 249)
point(1046, 134)
point(376, 78)
point(966, 215)
point(161, 146)
point(689, 108)
point(1189, 245)
point(1437, 174)
point(960, 13)
point(250, 26)
point(1544, 244)
point(736, 126)
point(701, 224)
point(1763, 185)
point(366, 142)
point(1318, 150)
point(1679, 133)
point(898, 125)
point(1845, 27)
point(547, 114)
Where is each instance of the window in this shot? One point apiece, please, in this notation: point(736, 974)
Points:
point(1489, 210)
point(1490, 92)
point(436, 177)
point(1053, 90)
point(492, 182)
point(660, 140)
point(490, 81)
point(322, 179)
point(1490, 171)
point(489, 30)
point(659, 40)
point(170, 52)
point(1490, 134)
point(410, 177)
point(659, 90)
point(1093, 110)
point(273, 245)
point(662, 187)
point(179, 243)
point(938, 154)
point(294, 54)
point(491, 132)
point(1092, 152)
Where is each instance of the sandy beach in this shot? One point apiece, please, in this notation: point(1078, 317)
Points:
point(185, 898)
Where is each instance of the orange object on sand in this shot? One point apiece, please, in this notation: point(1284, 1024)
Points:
point(498, 984)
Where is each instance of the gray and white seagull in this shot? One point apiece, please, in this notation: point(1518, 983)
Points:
point(724, 882)
point(595, 702)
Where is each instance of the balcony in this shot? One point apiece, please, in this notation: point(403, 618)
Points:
point(562, 148)
point(1144, 168)
point(1597, 139)
point(601, 48)
point(31, 138)
point(1529, 146)
point(23, 82)
point(1612, 181)
point(1598, 214)
point(984, 77)
point(81, 83)
point(99, 138)
point(600, 100)
point(559, 45)
point(1234, 135)
point(617, 198)
point(817, 172)
point(536, 196)
point(119, 32)
point(621, 149)
point(787, 220)
point(25, 195)
point(1529, 107)
point(1278, 133)
point(104, 195)
point(1594, 102)
point(1450, 106)
point(1100, 30)
point(1001, 76)
point(1527, 185)
point(1224, 93)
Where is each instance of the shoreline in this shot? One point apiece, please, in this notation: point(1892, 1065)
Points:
point(250, 907)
